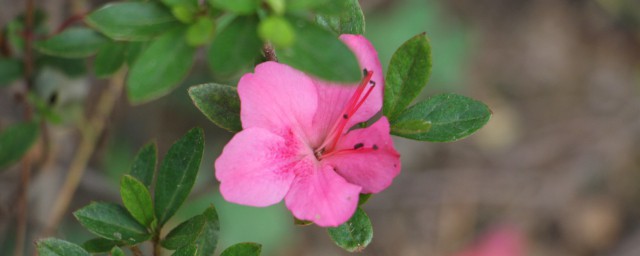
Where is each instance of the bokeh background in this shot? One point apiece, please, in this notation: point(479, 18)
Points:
point(559, 161)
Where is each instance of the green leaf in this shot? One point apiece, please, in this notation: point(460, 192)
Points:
point(100, 245)
point(132, 21)
point(220, 103)
point(350, 20)
point(144, 164)
point(236, 6)
point(110, 58)
point(355, 234)
point(243, 249)
point(160, 67)
point(278, 6)
point(201, 230)
point(452, 117)
point(16, 140)
point(113, 222)
point(134, 49)
point(408, 73)
point(185, 233)
point(235, 47)
point(200, 32)
point(320, 53)
point(72, 43)
point(277, 30)
point(137, 200)
point(177, 174)
point(299, 222)
point(116, 251)
point(10, 70)
point(57, 247)
point(70, 67)
point(191, 250)
point(410, 127)
point(363, 199)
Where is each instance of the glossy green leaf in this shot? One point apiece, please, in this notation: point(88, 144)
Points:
point(235, 47)
point(410, 127)
point(113, 222)
point(201, 31)
point(318, 6)
point(137, 200)
point(74, 42)
point(57, 247)
point(185, 233)
point(132, 21)
point(452, 117)
point(220, 103)
point(16, 140)
point(134, 49)
point(277, 30)
point(207, 240)
point(320, 53)
point(350, 20)
point(363, 198)
point(100, 245)
point(408, 73)
point(355, 234)
point(160, 68)
point(243, 249)
point(116, 251)
point(110, 58)
point(236, 6)
point(178, 174)
point(10, 70)
point(190, 250)
point(144, 164)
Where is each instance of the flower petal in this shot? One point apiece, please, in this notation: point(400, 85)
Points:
point(334, 97)
point(257, 167)
point(366, 157)
point(322, 196)
point(276, 97)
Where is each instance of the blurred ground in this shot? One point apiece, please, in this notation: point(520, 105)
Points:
point(560, 159)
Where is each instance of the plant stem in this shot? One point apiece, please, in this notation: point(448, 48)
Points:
point(269, 52)
point(135, 250)
point(89, 137)
point(156, 243)
point(25, 174)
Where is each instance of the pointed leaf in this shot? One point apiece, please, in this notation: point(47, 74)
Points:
point(144, 165)
point(185, 233)
point(72, 43)
point(113, 222)
point(220, 103)
point(410, 127)
point(408, 73)
point(277, 30)
point(70, 67)
point(243, 249)
point(207, 240)
point(236, 6)
point(116, 251)
point(235, 47)
point(110, 58)
point(355, 234)
point(137, 200)
point(160, 68)
point(16, 140)
point(10, 70)
point(200, 32)
point(350, 20)
point(320, 53)
point(363, 199)
point(57, 247)
point(178, 174)
point(132, 21)
point(452, 117)
point(100, 245)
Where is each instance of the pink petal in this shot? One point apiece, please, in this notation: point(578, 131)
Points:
point(277, 97)
point(374, 163)
point(322, 196)
point(334, 97)
point(257, 167)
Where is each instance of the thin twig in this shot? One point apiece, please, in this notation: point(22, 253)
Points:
point(135, 250)
point(269, 52)
point(25, 174)
point(156, 243)
point(90, 133)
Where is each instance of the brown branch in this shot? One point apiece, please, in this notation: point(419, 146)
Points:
point(269, 52)
point(135, 250)
point(89, 137)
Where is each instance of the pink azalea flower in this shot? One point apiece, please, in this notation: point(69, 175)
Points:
point(297, 145)
point(505, 241)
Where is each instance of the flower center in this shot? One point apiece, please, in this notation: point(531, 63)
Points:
point(355, 102)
